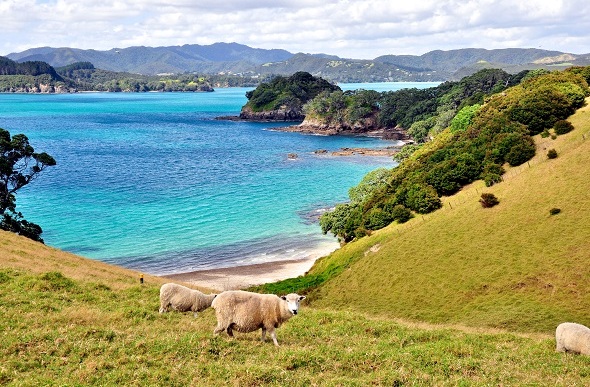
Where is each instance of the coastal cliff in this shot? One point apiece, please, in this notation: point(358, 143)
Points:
point(283, 113)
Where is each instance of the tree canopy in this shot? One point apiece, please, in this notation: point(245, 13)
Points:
point(19, 165)
point(480, 140)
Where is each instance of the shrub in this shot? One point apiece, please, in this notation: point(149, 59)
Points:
point(554, 211)
point(488, 200)
point(521, 152)
point(551, 154)
point(491, 178)
point(545, 133)
point(401, 214)
point(563, 127)
point(377, 218)
point(422, 199)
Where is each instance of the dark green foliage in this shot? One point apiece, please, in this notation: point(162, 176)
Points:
point(554, 211)
point(422, 199)
point(499, 132)
point(545, 133)
point(488, 200)
point(344, 221)
point(521, 151)
point(563, 127)
point(19, 164)
point(418, 110)
point(32, 68)
point(492, 174)
point(551, 154)
point(401, 214)
point(293, 92)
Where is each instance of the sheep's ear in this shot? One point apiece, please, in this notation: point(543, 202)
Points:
point(284, 298)
point(301, 298)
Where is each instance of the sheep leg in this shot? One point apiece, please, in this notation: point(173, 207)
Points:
point(218, 329)
point(273, 334)
point(229, 331)
point(263, 338)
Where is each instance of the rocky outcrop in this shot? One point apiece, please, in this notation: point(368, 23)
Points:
point(366, 127)
point(283, 114)
point(41, 89)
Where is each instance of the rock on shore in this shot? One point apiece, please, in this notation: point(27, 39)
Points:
point(284, 114)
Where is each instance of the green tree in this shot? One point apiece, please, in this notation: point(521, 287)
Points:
point(19, 165)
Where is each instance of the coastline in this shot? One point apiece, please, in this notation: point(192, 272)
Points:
point(241, 277)
point(244, 275)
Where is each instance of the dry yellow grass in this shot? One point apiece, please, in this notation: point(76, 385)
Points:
point(21, 253)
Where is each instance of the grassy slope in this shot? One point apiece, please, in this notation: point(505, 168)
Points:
point(65, 320)
point(512, 266)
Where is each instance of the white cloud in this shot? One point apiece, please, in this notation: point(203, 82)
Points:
point(347, 28)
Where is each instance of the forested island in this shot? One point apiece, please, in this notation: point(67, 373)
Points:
point(40, 77)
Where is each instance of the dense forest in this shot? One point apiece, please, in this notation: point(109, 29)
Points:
point(283, 98)
point(487, 132)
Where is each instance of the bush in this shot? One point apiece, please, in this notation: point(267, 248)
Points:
point(563, 127)
point(488, 200)
point(377, 218)
point(422, 199)
point(551, 154)
point(491, 178)
point(554, 211)
point(545, 133)
point(401, 214)
point(521, 152)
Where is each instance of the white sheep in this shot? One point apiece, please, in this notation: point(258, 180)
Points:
point(572, 337)
point(183, 299)
point(247, 312)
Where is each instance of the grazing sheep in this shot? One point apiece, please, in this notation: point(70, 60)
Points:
point(572, 337)
point(183, 299)
point(247, 312)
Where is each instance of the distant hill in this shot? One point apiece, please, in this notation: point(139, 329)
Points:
point(154, 60)
point(233, 58)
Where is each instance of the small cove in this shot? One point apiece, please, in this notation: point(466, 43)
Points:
point(153, 182)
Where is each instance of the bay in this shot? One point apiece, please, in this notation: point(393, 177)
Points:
point(153, 182)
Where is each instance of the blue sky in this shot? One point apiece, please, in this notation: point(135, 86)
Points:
point(347, 28)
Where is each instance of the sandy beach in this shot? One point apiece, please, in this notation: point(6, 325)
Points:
point(240, 277)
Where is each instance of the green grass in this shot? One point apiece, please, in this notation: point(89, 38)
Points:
point(513, 266)
point(465, 296)
point(61, 331)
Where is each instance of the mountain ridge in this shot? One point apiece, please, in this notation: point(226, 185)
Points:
point(235, 58)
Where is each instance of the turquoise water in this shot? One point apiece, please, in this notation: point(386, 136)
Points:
point(153, 182)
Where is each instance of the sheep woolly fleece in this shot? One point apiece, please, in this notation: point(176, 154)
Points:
point(183, 299)
point(572, 337)
point(248, 312)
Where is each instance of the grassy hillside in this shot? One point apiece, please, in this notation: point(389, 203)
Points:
point(70, 321)
point(512, 266)
point(66, 320)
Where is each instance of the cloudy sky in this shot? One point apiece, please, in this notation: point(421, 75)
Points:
point(347, 28)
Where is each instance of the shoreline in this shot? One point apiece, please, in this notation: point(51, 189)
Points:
point(241, 277)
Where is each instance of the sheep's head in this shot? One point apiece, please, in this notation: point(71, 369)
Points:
point(293, 301)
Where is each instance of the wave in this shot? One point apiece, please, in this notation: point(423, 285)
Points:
point(255, 251)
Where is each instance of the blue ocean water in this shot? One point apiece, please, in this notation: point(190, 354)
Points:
point(153, 182)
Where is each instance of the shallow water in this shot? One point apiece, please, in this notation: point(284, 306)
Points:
point(153, 182)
